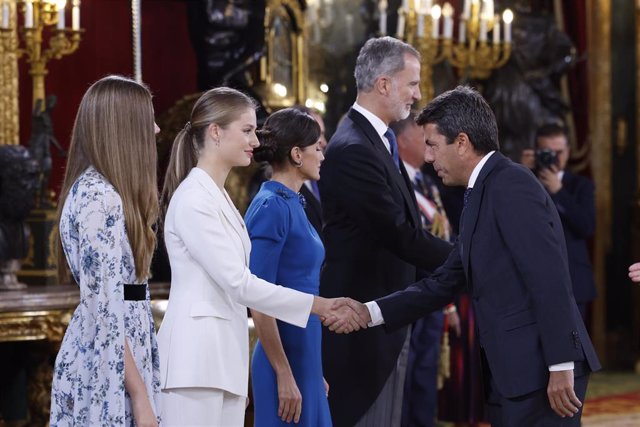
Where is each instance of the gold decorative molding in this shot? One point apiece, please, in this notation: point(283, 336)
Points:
point(599, 46)
point(34, 325)
point(9, 124)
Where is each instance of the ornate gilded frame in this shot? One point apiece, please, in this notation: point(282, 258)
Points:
point(290, 11)
point(600, 110)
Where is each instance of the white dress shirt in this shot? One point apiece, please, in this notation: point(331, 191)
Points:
point(377, 123)
point(376, 313)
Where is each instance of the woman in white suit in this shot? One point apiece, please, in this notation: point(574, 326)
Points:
point(204, 340)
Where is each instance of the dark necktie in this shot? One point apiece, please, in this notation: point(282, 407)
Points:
point(467, 195)
point(393, 146)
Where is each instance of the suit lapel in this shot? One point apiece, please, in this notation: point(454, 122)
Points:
point(228, 209)
point(471, 211)
point(401, 180)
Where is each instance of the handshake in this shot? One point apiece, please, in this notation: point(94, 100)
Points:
point(341, 315)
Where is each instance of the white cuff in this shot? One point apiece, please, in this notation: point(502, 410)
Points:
point(566, 366)
point(375, 313)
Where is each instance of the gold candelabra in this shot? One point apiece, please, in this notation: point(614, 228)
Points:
point(429, 28)
point(38, 15)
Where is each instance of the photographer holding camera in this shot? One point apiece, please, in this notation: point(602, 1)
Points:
point(574, 199)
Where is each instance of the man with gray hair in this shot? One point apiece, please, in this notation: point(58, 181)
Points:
point(373, 234)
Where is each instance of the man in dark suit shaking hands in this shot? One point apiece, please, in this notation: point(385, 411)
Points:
point(373, 234)
point(511, 256)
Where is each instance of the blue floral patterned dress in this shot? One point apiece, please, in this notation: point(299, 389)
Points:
point(88, 382)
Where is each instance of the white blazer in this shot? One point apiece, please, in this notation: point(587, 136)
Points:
point(204, 338)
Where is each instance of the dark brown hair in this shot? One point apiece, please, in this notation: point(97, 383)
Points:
point(281, 132)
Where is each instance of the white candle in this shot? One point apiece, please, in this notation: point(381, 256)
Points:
point(507, 17)
point(427, 6)
point(315, 29)
point(405, 5)
point(447, 12)
point(28, 14)
point(5, 15)
point(61, 23)
point(483, 30)
point(382, 7)
point(348, 23)
point(434, 27)
point(466, 14)
point(328, 11)
point(496, 31)
point(436, 11)
point(420, 25)
point(75, 16)
point(462, 34)
point(401, 20)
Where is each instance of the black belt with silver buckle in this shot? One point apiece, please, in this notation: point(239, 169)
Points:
point(135, 292)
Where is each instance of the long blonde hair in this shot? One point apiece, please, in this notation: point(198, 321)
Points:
point(221, 106)
point(114, 133)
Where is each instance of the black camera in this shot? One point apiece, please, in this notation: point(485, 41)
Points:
point(546, 158)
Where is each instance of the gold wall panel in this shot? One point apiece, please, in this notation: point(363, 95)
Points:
point(9, 126)
point(599, 49)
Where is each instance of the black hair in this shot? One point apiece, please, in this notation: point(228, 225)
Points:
point(463, 110)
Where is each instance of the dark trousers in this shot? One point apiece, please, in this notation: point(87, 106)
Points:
point(420, 389)
point(533, 409)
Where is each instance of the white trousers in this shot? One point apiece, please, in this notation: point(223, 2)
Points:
point(202, 407)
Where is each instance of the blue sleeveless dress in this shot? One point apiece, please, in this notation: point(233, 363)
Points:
point(287, 250)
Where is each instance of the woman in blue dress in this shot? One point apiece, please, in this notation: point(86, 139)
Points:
point(107, 372)
point(287, 380)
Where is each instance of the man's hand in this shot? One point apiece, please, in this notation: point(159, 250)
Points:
point(634, 272)
point(528, 158)
point(453, 320)
point(346, 315)
point(562, 397)
point(549, 178)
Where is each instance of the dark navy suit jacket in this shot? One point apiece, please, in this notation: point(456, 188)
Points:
point(512, 256)
point(576, 206)
point(374, 241)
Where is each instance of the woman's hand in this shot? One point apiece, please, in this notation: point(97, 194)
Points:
point(289, 397)
point(326, 386)
point(142, 412)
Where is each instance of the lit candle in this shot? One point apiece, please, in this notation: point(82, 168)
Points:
point(75, 15)
point(5, 15)
point(420, 29)
point(496, 30)
point(466, 14)
point(483, 30)
point(507, 17)
point(447, 12)
point(382, 7)
point(61, 4)
point(400, 29)
point(427, 6)
point(487, 10)
point(28, 14)
point(462, 34)
point(436, 11)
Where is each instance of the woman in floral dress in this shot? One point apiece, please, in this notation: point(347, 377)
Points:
point(107, 369)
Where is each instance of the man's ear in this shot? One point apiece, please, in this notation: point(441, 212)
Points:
point(463, 144)
point(383, 85)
